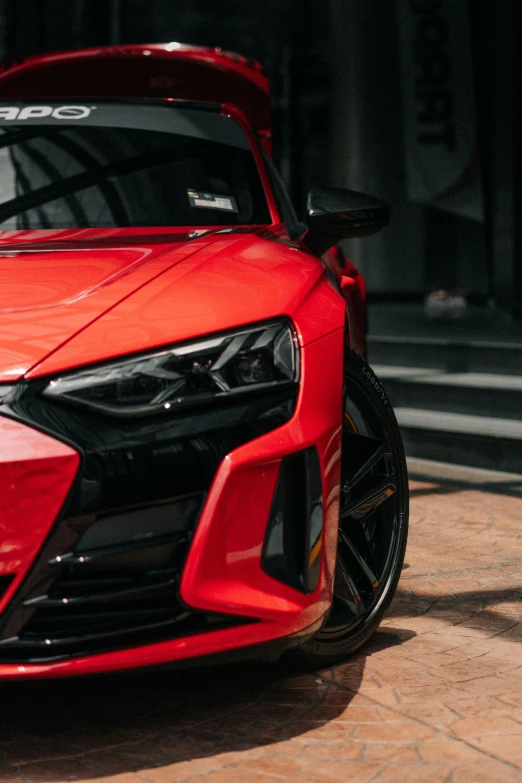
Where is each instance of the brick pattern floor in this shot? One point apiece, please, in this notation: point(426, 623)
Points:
point(436, 696)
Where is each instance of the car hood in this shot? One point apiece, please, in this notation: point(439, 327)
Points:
point(53, 285)
point(243, 277)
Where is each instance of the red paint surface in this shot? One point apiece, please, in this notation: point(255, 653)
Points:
point(36, 473)
point(354, 293)
point(223, 571)
point(235, 281)
point(53, 289)
point(146, 71)
point(73, 298)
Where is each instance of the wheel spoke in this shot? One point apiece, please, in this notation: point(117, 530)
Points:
point(365, 505)
point(345, 589)
point(369, 519)
point(359, 559)
point(377, 451)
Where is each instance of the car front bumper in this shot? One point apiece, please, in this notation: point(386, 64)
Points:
point(83, 589)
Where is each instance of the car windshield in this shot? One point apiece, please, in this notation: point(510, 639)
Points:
point(124, 165)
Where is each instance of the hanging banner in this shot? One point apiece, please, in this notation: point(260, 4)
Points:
point(438, 98)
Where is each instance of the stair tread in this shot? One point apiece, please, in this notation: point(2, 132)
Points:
point(396, 371)
point(468, 424)
point(478, 324)
point(470, 380)
point(420, 468)
point(392, 339)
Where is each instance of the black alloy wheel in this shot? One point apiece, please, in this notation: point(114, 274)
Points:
point(373, 518)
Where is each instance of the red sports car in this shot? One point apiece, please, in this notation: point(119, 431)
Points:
point(196, 462)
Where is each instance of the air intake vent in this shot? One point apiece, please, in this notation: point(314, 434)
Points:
point(117, 589)
point(293, 544)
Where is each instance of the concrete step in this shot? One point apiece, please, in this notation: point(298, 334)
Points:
point(496, 481)
point(446, 354)
point(484, 394)
point(477, 441)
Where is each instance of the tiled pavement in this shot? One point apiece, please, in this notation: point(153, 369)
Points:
point(437, 696)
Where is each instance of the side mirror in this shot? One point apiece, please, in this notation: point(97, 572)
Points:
point(334, 214)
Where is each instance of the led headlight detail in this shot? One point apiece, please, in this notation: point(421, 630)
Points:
point(247, 360)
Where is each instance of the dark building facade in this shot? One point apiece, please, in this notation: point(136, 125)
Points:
point(413, 101)
point(290, 39)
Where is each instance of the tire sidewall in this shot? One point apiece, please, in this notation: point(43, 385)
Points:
point(320, 651)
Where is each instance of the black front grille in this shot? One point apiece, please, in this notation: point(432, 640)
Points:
point(110, 597)
point(5, 581)
point(108, 575)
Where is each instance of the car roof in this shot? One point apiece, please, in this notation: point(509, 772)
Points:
point(171, 70)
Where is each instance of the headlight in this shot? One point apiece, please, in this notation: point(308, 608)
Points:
point(215, 368)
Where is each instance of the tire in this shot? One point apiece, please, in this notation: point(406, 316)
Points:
point(373, 519)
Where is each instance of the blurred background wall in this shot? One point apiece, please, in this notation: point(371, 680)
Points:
point(413, 101)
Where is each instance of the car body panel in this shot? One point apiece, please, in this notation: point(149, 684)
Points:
point(208, 292)
point(153, 71)
point(74, 298)
point(51, 293)
point(355, 295)
point(223, 571)
point(36, 473)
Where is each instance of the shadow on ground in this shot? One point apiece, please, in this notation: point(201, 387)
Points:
point(472, 609)
point(86, 728)
point(123, 723)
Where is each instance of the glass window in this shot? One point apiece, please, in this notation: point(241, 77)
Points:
point(284, 204)
point(181, 168)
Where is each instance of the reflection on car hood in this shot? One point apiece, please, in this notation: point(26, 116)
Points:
point(50, 291)
point(239, 279)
